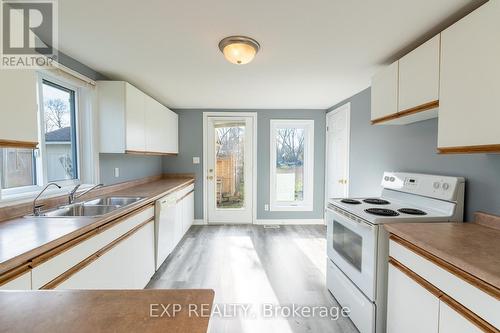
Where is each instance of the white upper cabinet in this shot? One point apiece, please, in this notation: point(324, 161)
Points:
point(19, 112)
point(134, 119)
point(469, 114)
point(133, 122)
point(408, 90)
point(385, 93)
point(162, 125)
point(419, 78)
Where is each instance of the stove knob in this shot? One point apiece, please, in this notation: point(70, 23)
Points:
point(436, 185)
point(446, 186)
point(392, 179)
point(386, 178)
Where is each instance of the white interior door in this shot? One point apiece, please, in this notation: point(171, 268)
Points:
point(337, 152)
point(229, 169)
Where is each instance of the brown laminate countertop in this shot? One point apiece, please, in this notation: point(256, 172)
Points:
point(24, 238)
point(106, 311)
point(471, 247)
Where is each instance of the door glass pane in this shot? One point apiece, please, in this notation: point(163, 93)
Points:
point(348, 244)
point(17, 167)
point(229, 166)
point(59, 129)
point(290, 164)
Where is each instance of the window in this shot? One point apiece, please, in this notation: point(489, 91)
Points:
point(58, 144)
point(23, 171)
point(17, 168)
point(292, 164)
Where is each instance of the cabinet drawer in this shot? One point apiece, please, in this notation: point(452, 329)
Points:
point(481, 303)
point(348, 295)
point(21, 282)
point(182, 193)
point(55, 266)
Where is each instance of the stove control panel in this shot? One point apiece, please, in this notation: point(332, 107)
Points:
point(434, 186)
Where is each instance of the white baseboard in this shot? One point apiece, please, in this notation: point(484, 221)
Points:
point(277, 222)
point(290, 221)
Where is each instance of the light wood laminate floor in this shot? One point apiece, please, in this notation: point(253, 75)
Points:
point(257, 268)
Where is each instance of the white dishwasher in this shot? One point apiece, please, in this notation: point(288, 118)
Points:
point(165, 215)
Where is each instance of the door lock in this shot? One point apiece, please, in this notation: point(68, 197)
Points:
point(210, 177)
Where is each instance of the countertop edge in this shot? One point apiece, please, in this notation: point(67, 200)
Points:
point(15, 262)
point(444, 256)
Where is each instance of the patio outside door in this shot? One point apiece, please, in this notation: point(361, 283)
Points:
point(229, 169)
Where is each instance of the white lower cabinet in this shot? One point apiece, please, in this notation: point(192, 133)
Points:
point(50, 269)
point(22, 282)
point(451, 321)
point(188, 211)
point(425, 297)
point(410, 307)
point(128, 265)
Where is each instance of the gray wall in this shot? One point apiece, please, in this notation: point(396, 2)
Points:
point(412, 148)
point(191, 144)
point(131, 167)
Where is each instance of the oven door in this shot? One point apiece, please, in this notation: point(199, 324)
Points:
point(352, 246)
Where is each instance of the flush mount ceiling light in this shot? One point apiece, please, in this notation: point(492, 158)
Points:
point(239, 50)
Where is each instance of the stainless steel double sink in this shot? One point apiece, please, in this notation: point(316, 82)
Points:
point(90, 208)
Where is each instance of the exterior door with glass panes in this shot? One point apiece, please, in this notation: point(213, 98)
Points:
point(229, 169)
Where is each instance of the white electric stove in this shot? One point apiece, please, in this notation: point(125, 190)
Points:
point(358, 244)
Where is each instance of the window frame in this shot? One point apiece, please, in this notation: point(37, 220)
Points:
point(308, 197)
point(40, 152)
point(87, 140)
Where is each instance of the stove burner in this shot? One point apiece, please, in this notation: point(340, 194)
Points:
point(375, 201)
point(382, 212)
point(350, 201)
point(412, 211)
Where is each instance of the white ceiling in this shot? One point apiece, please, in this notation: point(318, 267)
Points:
point(314, 53)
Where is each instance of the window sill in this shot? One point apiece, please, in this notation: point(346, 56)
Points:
point(20, 198)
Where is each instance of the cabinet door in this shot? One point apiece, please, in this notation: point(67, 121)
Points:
point(188, 213)
point(410, 307)
point(18, 94)
point(179, 224)
point(155, 125)
point(22, 282)
point(451, 321)
point(385, 92)
point(419, 76)
point(135, 119)
point(171, 132)
point(469, 111)
point(190, 209)
point(127, 265)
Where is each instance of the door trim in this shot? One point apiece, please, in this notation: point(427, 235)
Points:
point(206, 115)
point(347, 107)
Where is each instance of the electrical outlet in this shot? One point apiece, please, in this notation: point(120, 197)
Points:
point(117, 172)
point(266, 207)
point(196, 160)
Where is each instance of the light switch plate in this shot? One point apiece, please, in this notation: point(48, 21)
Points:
point(196, 160)
point(266, 207)
point(117, 172)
